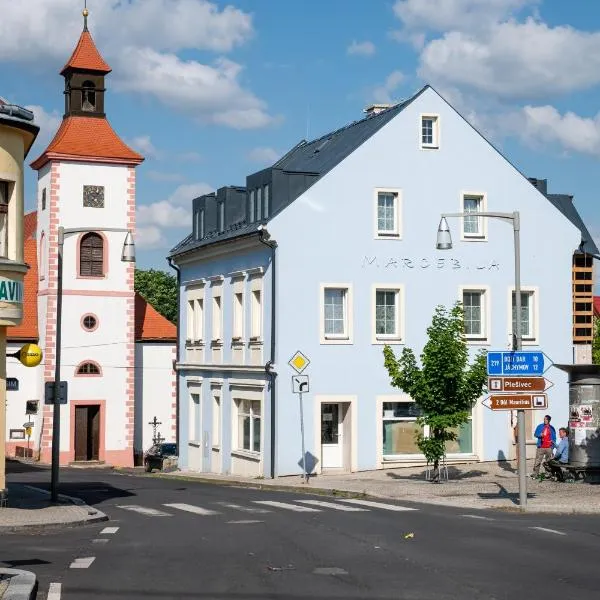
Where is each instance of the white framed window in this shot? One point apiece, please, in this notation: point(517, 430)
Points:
point(249, 424)
point(336, 314)
point(190, 320)
point(251, 205)
point(388, 313)
point(5, 194)
point(216, 419)
point(473, 227)
point(238, 316)
point(256, 308)
point(259, 204)
point(388, 217)
point(194, 416)
point(266, 200)
point(430, 131)
point(195, 313)
point(217, 314)
point(529, 314)
point(476, 306)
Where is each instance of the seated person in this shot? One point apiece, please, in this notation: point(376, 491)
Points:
point(561, 455)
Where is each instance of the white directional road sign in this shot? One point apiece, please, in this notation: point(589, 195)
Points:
point(300, 384)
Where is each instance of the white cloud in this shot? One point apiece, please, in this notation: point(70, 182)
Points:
point(460, 15)
point(515, 60)
point(150, 238)
point(144, 145)
point(140, 40)
point(207, 93)
point(161, 176)
point(383, 93)
point(48, 123)
point(544, 125)
point(263, 155)
point(365, 48)
point(175, 211)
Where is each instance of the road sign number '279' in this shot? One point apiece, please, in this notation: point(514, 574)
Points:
point(515, 363)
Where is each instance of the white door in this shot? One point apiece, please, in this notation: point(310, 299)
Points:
point(331, 437)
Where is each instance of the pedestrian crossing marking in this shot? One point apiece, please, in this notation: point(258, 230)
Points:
point(248, 509)
point(376, 504)
point(286, 506)
point(332, 505)
point(198, 510)
point(143, 510)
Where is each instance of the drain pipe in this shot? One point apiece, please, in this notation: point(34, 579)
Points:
point(178, 270)
point(270, 368)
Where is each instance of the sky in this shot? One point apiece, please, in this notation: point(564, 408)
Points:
point(212, 91)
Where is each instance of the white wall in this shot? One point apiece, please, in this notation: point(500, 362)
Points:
point(154, 377)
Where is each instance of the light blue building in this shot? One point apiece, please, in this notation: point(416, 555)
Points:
point(331, 252)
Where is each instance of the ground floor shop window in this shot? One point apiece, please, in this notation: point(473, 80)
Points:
point(400, 430)
point(249, 424)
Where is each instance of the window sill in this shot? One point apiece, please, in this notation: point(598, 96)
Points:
point(255, 342)
point(238, 341)
point(477, 341)
point(216, 448)
point(194, 344)
point(194, 444)
point(430, 146)
point(391, 341)
point(388, 236)
point(218, 343)
point(247, 454)
point(473, 238)
point(336, 340)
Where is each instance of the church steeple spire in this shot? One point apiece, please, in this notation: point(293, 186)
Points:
point(84, 76)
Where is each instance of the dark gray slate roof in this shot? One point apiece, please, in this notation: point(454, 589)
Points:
point(564, 203)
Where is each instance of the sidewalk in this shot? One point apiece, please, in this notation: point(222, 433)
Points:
point(29, 508)
point(469, 486)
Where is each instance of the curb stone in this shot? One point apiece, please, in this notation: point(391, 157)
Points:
point(22, 585)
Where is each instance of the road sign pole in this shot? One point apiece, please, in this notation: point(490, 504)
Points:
point(304, 473)
point(522, 458)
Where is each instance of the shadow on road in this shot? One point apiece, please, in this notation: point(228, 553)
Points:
point(503, 494)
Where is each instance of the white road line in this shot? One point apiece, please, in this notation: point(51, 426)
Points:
point(248, 509)
point(191, 508)
point(247, 522)
point(549, 530)
point(82, 563)
point(109, 530)
point(287, 506)
point(149, 512)
point(377, 505)
point(54, 591)
point(100, 541)
point(333, 505)
point(478, 517)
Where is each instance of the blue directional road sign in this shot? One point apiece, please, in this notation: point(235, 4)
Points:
point(515, 363)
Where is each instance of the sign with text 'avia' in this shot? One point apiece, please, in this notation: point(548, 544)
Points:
point(515, 363)
point(11, 291)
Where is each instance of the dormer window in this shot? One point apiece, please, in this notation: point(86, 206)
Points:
point(201, 223)
point(88, 96)
point(4, 200)
point(251, 206)
point(259, 204)
point(221, 216)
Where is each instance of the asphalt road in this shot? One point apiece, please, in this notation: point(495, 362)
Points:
point(181, 539)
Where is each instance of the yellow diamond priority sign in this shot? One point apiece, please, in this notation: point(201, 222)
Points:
point(299, 362)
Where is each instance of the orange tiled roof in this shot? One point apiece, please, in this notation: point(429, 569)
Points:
point(86, 56)
point(28, 329)
point(150, 325)
point(87, 138)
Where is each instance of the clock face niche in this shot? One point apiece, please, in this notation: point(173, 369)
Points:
point(93, 196)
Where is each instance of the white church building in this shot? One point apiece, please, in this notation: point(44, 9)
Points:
point(117, 351)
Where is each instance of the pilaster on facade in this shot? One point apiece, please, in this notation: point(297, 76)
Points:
point(174, 394)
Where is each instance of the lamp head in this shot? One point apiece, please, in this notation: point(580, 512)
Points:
point(444, 238)
point(128, 254)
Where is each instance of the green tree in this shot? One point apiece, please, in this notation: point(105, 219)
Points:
point(159, 289)
point(596, 342)
point(445, 387)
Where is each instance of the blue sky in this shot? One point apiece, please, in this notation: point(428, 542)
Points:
point(212, 91)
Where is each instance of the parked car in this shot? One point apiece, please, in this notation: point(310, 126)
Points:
point(161, 456)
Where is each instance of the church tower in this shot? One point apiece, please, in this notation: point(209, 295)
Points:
point(86, 184)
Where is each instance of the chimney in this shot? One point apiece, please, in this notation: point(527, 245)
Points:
point(540, 184)
point(375, 109)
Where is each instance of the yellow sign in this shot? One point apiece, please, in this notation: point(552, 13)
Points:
point(28, 431)
point(30, 355)
point(299, 362)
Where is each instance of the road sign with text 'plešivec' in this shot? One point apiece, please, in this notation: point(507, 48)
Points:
point(510, 364)
point(518, 384)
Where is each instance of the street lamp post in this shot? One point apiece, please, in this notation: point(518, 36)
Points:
point(444, 242)
point(128, 255)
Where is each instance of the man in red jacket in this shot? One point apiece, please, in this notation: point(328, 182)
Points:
point(546, 440)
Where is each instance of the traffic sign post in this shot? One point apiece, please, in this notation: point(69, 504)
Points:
point(300, 384)
point(515, 363)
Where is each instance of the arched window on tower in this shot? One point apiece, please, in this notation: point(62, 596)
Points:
point(88, 96)
point(88, 368)
point(91, 255)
